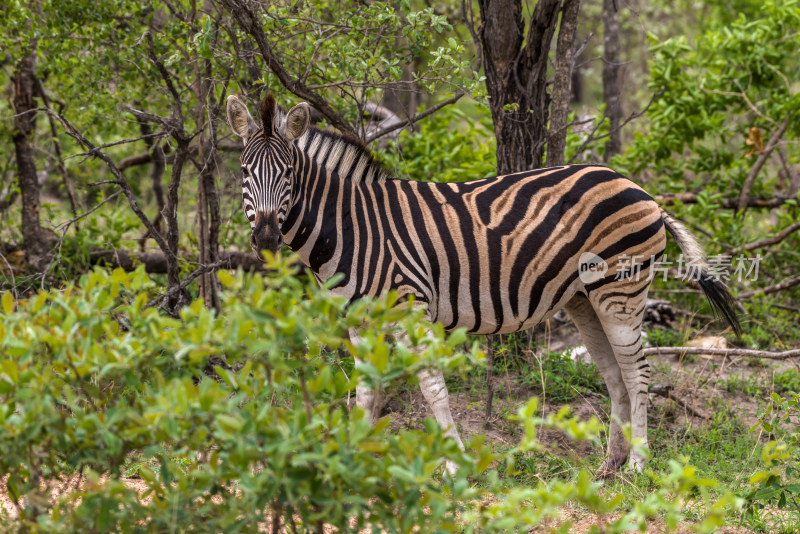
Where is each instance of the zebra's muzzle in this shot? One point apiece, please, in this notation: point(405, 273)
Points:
point(266, 234)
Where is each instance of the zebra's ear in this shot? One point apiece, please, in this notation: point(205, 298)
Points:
point(297, 121)
point(239, 119)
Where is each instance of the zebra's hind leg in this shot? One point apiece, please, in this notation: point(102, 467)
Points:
point(594, 337)
point(622, 322)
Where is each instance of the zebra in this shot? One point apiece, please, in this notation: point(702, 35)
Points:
point(494, 255)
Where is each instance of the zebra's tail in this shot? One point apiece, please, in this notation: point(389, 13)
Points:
point(714, 289)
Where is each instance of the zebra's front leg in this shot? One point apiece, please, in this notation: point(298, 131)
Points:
point(431, 382)
point(367, 399)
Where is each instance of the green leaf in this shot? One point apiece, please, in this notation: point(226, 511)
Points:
point(8, 303)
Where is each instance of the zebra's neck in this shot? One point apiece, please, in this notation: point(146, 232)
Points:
point(329, 169)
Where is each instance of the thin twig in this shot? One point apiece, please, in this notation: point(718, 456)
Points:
point(763, 243)
point(123, 183)
point(65, 227)
point(67, 224)
point(115, 143)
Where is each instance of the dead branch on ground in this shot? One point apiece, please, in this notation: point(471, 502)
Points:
point(746, 353)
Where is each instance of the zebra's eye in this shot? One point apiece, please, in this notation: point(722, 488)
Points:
point(245, 172)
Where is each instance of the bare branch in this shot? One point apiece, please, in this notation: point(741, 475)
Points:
point(746, 353)
point(786, 284)
point(250, 23)
point(115, 143)
point(744, 196)
point(123, 183)
point(174, 290)
point(65, 225)
point(727, 203)
point(632, 116)
point(68, 185)
point(766, 242)
point(135, 161)
point(415, 118)
point(165, 75)
point(168, 123)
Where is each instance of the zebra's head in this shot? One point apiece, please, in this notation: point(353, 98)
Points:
point(267, 165)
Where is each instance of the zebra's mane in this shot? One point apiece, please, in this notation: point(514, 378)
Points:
point(348, 157)
point(338, 153)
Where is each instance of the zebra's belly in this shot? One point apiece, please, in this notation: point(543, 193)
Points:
point(487, 315)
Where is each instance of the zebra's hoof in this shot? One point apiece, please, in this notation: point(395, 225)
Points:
point(451, 468)
point(636, 464)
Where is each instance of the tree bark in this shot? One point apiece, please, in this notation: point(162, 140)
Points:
point(23, 88)
point(516, 78)
point(611, 70)
point(562, 92)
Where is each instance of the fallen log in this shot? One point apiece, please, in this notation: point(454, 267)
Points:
point(156, 262)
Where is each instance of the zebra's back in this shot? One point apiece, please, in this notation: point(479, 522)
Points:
point(501, 254)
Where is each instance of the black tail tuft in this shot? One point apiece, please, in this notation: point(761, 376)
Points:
point(720, 299)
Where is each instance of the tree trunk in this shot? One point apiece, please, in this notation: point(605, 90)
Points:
point(516, 78)
point(23, 88)
point(562, 93)
point(181, 298)
point(208, 200)
point(611, 70)
point(154, 155)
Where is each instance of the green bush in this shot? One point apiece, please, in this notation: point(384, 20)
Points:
point(90, 379)
point(236, 421)
point(778, 484)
